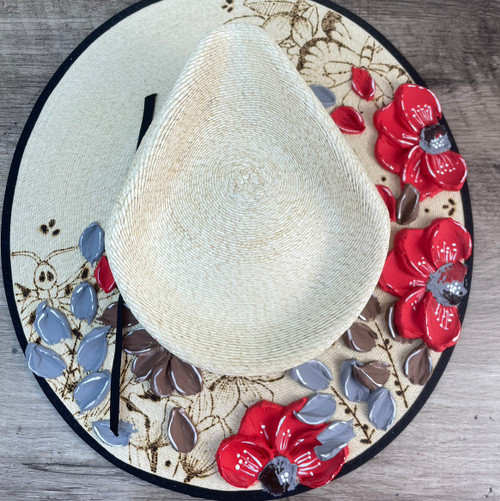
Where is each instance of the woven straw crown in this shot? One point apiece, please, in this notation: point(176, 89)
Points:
point(247, 237)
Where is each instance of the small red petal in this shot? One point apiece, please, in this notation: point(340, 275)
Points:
point(389, 200)
point(448, 170)
point(386, 122)
point(409, 315)
point(442, 325)
point(363, 83)
point(315, 473)
point(415, 173)
point(396, 279)
point(240, 459)
point(389, 155)
point(348, 120)
point(448, 242)
point(417, 107)
point(103, 275)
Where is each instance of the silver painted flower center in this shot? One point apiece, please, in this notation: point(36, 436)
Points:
point(434, 139)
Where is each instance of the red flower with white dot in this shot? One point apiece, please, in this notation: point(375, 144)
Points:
point(426, 270)
point(273, 446)
point(414, 145)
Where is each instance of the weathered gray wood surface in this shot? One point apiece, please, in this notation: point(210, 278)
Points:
point(451, 450)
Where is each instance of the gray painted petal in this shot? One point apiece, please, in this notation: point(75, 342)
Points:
point(51, 324)
point(92, 242)
point(313, 375)
point(333, 439)
point(84, 302)
point(93, 349)
point(353, 389)
point(44, 362)
point(92, 390)
point(325, 95)
point(318, 409)
point(381, 409)
point(104, 433)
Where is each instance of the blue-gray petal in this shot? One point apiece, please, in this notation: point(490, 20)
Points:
point(43, 361)
point(51, 324)
point(93, 349)
point(314, 375)
point(318, 409)
point(381, 409)
point(92, 242)
point(103, 431)
point(353, 389)
point(92, 390)
point(84, 302)
point(333, 439)
point(325, 95)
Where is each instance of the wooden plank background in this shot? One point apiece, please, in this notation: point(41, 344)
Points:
point(451, 450)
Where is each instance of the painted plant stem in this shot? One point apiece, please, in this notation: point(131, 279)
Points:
point(385, 346)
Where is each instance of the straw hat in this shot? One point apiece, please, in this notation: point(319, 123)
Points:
point(239, 256)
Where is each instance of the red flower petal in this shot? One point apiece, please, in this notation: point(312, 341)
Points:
point(409, 315)
point(396, 279)
point(348, 120)
point(315, 473)
point(415, 173)
point(447, 169)
point(448, 242)
point(261, 420)
point(290, 430)
point(412, 248)
point(386, 122)
point(103, 275)
point(416, 106)
point(240, 459)
point(389, 200)
point(390, 156)
point(442, 325)
point(362, 83)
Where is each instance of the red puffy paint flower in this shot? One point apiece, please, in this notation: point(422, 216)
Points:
point(414, 145)
point(273, 446)
point(426, 270)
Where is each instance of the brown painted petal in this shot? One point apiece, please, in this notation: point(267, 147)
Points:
point(359, 337)
point(138, 341)
point(185, 377)
point(372, 375)
point(407, 205)
point(181, 431)
point(109, 316)
point(371, 310)
point(393, 331)
point(144, 363)
point(418, 365)
point(160, 380)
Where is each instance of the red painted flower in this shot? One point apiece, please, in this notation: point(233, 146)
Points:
point(413, 144)
point(426, 270)
point(273, 446)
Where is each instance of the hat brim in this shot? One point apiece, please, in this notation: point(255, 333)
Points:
point(13, 232)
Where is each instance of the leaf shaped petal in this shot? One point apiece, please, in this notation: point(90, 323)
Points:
point(314, 375)
point(359, 337)
point(51, 324)
point(353, 389)
point(181, 431)
point(185, 377)
point(418, 365)
point(363, 83)
point(333, 439)
point(381, 409)
point(325, 95)
point(110, 315)
point(138, 341)
point(103, 431)
point(92, 242)
point(372, 375)
point(43, 361)
point(92, 390)
point(84, 302)
point(93, 349)
point(348, 120)
point(103, 275)
point(318, 409)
